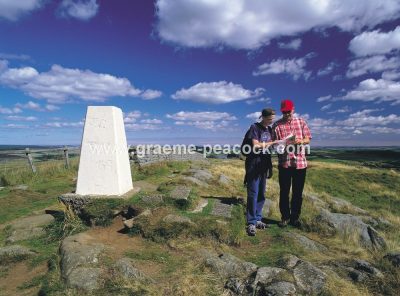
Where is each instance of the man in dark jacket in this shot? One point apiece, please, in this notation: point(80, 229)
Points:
point(258, 168)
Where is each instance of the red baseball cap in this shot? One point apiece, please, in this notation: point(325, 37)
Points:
point(287, 105)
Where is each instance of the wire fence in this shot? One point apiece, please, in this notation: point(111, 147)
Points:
point(30, 158)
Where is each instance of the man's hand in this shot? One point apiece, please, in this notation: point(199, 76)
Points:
point(304, 141)
point(298, 141)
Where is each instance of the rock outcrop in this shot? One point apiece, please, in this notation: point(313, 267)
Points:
point(348, 225)
point(28, 228)
point(79, 262)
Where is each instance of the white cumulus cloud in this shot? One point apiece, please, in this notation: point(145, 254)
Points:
point(370, 89)
point(6, 110)
point(259, 100)
point(326, 107)
point(21, 118)
point(132, 116)
point(294, 44)
point(324, 98)
point(375, 42)
point(13, 9)
point(37, 107)
point(328, 69)
point(254, 116)
point(79, 9)
point(296, 68)
point(207, 120)
point(250, 24)
point(364, 118)
point(372, 64)
point(216, 92)
point(58, 124)
point(61, 84)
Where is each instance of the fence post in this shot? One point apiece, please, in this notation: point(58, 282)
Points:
point(28, 154)
point(66, 156)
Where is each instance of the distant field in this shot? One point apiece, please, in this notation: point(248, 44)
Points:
point(379, 157)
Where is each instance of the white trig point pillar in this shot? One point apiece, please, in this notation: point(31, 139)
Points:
point(104, 168)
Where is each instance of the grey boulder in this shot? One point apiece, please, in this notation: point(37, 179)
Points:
point(309, 278)
point(305, 242)
point(394, 258)
point(227, 265)
point(14, 253)
point(84, 278)
point(125, 268)
point(201, 174)
point(80, 255)
point(28, 227)
point(346, 224)
point(280, 289)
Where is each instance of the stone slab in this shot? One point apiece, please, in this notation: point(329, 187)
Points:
point(76, 201)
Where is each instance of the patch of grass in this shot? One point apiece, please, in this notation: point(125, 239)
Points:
point(275, 247)
point(45, 170)
point(66, 223)
point(210, 228)
point(43, 189)
point(154, 253)
point(4, 234)
point(190, 202)
point(237, 225)
point(100, 212)
point(183, 205)
point(118, 285)
point(154, 229)
point(371, 189)
point(209, 207)
point(20, 204)
point(4, 270)
point(35, 282)
point(336, 286)
point(158, 171)
point(51, 283)
point(390, 284)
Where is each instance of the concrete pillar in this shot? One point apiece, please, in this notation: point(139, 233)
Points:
point(104, 167)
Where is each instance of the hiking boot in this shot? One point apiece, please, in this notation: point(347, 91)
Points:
point(283, 223)
point(295, 223)
point(261, 225)
point(251, 230)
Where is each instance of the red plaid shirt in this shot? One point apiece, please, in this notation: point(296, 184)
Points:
point(298, 127)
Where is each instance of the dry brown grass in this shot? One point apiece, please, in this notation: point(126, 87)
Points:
point(232, 169)
point(337, 286)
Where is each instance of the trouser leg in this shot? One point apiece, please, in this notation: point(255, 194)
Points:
point(252, 194)
point(285, 180)
point(299, 177)
point(261, 197)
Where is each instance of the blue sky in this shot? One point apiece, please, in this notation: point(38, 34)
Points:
point(198, 71)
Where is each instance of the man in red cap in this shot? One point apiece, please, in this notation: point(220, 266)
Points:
point(292, 162)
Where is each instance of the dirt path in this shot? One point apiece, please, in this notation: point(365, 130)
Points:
point(17, 275)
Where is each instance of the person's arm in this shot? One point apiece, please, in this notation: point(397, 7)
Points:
point(306, 135)
point(262, 145)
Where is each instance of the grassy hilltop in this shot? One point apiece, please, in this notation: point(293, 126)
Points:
point(167, 254)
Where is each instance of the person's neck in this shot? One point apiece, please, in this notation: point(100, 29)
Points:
point(287, 119)
point(264, 124)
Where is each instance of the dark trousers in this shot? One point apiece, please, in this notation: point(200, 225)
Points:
point(255, 198)
point(291, 177)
